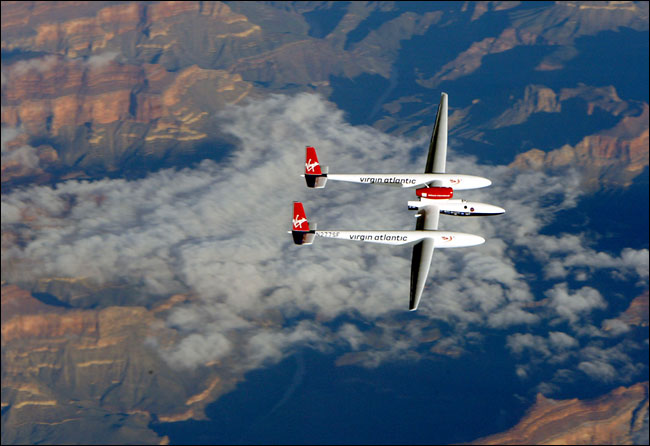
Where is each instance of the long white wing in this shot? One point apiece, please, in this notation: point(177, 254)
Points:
point(428, 216)
point(422, 253)
point(437, 159)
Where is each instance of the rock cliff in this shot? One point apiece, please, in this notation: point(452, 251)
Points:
point(78, 373)
point(91, 89)
point(615, 418)
point(610, 158)
point(101, 88)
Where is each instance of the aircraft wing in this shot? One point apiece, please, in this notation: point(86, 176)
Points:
point(422, 253)
point(437, 159)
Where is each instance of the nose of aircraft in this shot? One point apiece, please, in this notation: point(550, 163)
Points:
point(486, 209)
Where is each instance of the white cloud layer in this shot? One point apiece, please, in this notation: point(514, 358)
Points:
point(219, 231)
point(25, 155)
point(101, 60)
point(49, 62)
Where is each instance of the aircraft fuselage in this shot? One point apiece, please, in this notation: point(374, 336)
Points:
point(461, 208)
point(456, 181)
point(442, 239)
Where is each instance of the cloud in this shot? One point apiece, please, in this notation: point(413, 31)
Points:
point(556, 347)
point(194, 348)
point(631, 262)
point(573, 306)
point(608, 364)
point(97, 61)
point(519, 343)
point(40, 64)
point(615, 327)
point(562, 341)
point(218, 231)
point(24, 155)
point(599, 370)
point(49, 62)
point(8, 135)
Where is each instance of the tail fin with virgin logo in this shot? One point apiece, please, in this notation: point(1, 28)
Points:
point(300, 231)
point(315, 176)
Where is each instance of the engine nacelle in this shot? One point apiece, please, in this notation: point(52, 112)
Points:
point(435, 193)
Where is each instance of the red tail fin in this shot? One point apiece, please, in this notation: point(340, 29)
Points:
point(300, 222)
point(312, 167)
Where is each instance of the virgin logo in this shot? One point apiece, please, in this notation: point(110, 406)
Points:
point(309, 166)
point(455, 180)
point(447, 238)
point(297, 222)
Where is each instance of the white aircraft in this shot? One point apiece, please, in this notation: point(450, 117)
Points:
point(435, 197)
point(434, 171)
point(317, 176)
point(424, 236)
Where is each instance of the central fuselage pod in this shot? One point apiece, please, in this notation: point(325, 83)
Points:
point(441, 198)
point(435, 193)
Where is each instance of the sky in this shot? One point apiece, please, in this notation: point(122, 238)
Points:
point(218, 231)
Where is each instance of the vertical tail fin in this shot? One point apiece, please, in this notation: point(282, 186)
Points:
point(300, 231)
point(314, 174)
point(312, 167)
point(300, 222)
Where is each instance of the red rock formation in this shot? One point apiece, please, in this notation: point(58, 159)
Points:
point(81, 28)
point(637, 312)
point(613, 418)
point(97, 100)
point(470, 60)
point(557, 25)
point(164, 10)
point(49, 325)
point(65, 367)
point(612, 157)
point(24, 317)
point(16, 301)
point(69, 92)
